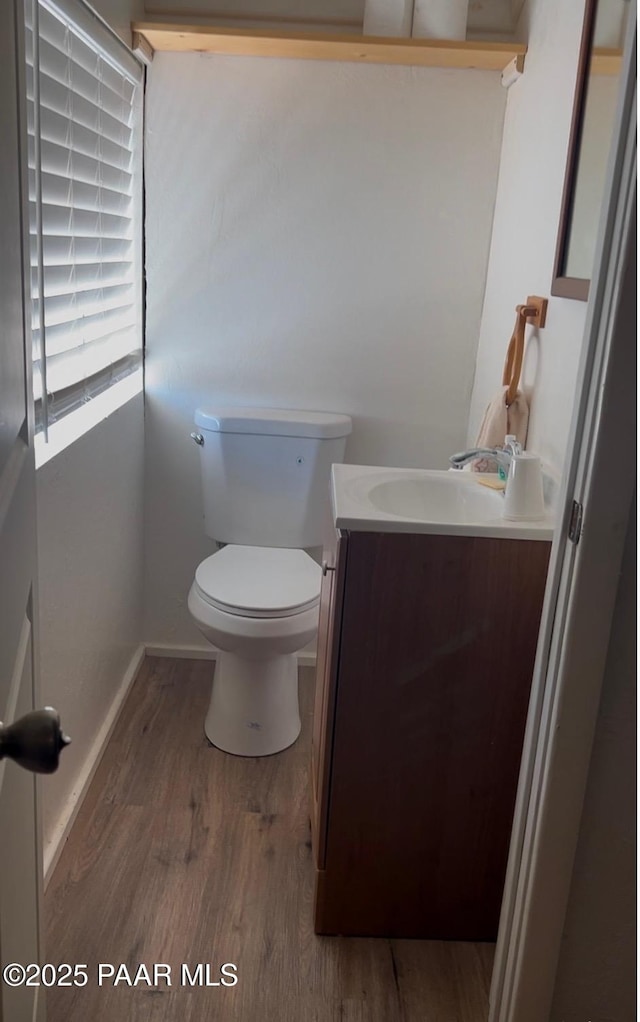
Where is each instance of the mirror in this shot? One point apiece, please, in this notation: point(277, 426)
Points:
point(594, 110)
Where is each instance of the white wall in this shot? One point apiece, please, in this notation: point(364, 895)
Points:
point(489, 19)
point(596, 976)
point(317, 237)
point(324, 9)
point(119, 14)
point(527, 212)
point(90, 550)
point(90, 519)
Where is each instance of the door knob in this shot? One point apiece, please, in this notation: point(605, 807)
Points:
point(35, 741)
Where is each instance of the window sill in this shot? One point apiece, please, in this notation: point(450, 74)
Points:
point(65, 432)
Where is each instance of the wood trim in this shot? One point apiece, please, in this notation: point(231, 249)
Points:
point(142, 48)
point(184, 38)
point(605, 61)
point(561, 285)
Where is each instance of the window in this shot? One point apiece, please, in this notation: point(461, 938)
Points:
point(84, 114)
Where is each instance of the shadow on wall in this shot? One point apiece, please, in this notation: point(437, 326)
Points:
point(299, 256)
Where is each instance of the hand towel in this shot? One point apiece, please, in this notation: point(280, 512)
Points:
point(499, 421)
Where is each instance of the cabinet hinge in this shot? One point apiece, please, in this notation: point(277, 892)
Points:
point(575, 522)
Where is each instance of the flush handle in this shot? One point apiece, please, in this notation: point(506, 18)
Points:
point(35, 741)
point(327, 567)
point(198, 439)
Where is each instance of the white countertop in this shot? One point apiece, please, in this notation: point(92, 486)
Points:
point(368, 498)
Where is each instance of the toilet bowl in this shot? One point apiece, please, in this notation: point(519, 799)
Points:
point(258, 606)
point(265, 494)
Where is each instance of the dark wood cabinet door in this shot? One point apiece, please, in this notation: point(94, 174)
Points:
point(438, 640)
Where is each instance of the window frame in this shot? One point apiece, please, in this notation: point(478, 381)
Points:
point(124, 373)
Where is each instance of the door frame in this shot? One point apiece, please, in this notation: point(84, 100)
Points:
point(578, 610)
point(600, 475)
point(23, 464)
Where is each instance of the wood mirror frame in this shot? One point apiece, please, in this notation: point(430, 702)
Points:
point(563, 286)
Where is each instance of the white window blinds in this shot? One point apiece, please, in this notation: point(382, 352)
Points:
point(84, 94)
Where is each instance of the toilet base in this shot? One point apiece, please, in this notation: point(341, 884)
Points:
point(254, 705)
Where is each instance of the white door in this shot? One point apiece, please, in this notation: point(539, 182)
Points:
point(20, 853)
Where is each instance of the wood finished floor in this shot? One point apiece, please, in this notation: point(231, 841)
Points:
point(181, 853)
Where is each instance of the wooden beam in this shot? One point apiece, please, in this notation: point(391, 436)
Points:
point(319, 46)
point(141, 47)
point(605, 61)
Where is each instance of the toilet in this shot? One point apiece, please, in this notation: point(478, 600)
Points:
point(265, 487)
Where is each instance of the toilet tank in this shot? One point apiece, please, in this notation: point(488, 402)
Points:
point(265, 473)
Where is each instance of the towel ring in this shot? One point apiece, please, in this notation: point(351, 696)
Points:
point(535, 311)
point(515, 355)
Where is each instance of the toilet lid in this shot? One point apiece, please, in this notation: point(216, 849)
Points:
point(255, 581)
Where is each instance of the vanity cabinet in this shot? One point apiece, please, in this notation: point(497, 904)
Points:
point(425, 657)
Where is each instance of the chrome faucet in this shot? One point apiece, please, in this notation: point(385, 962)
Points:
point(503, 455)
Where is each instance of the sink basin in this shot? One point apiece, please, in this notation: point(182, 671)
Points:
point(376, 499)
point(435, 498)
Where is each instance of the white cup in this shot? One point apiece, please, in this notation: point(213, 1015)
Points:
point(523, 498)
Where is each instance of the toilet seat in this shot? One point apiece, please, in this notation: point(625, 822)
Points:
point(259, 582)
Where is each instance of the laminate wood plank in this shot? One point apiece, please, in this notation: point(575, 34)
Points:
point(430, 977)
point(184, 854)
point(254, 42)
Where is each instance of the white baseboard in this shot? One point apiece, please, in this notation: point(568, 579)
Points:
point(306, 657)
point(56, 842)
point(183, 652)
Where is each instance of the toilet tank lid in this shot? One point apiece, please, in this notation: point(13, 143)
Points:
point(273, 422)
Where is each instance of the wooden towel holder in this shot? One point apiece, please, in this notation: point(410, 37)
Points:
point(535, 313)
